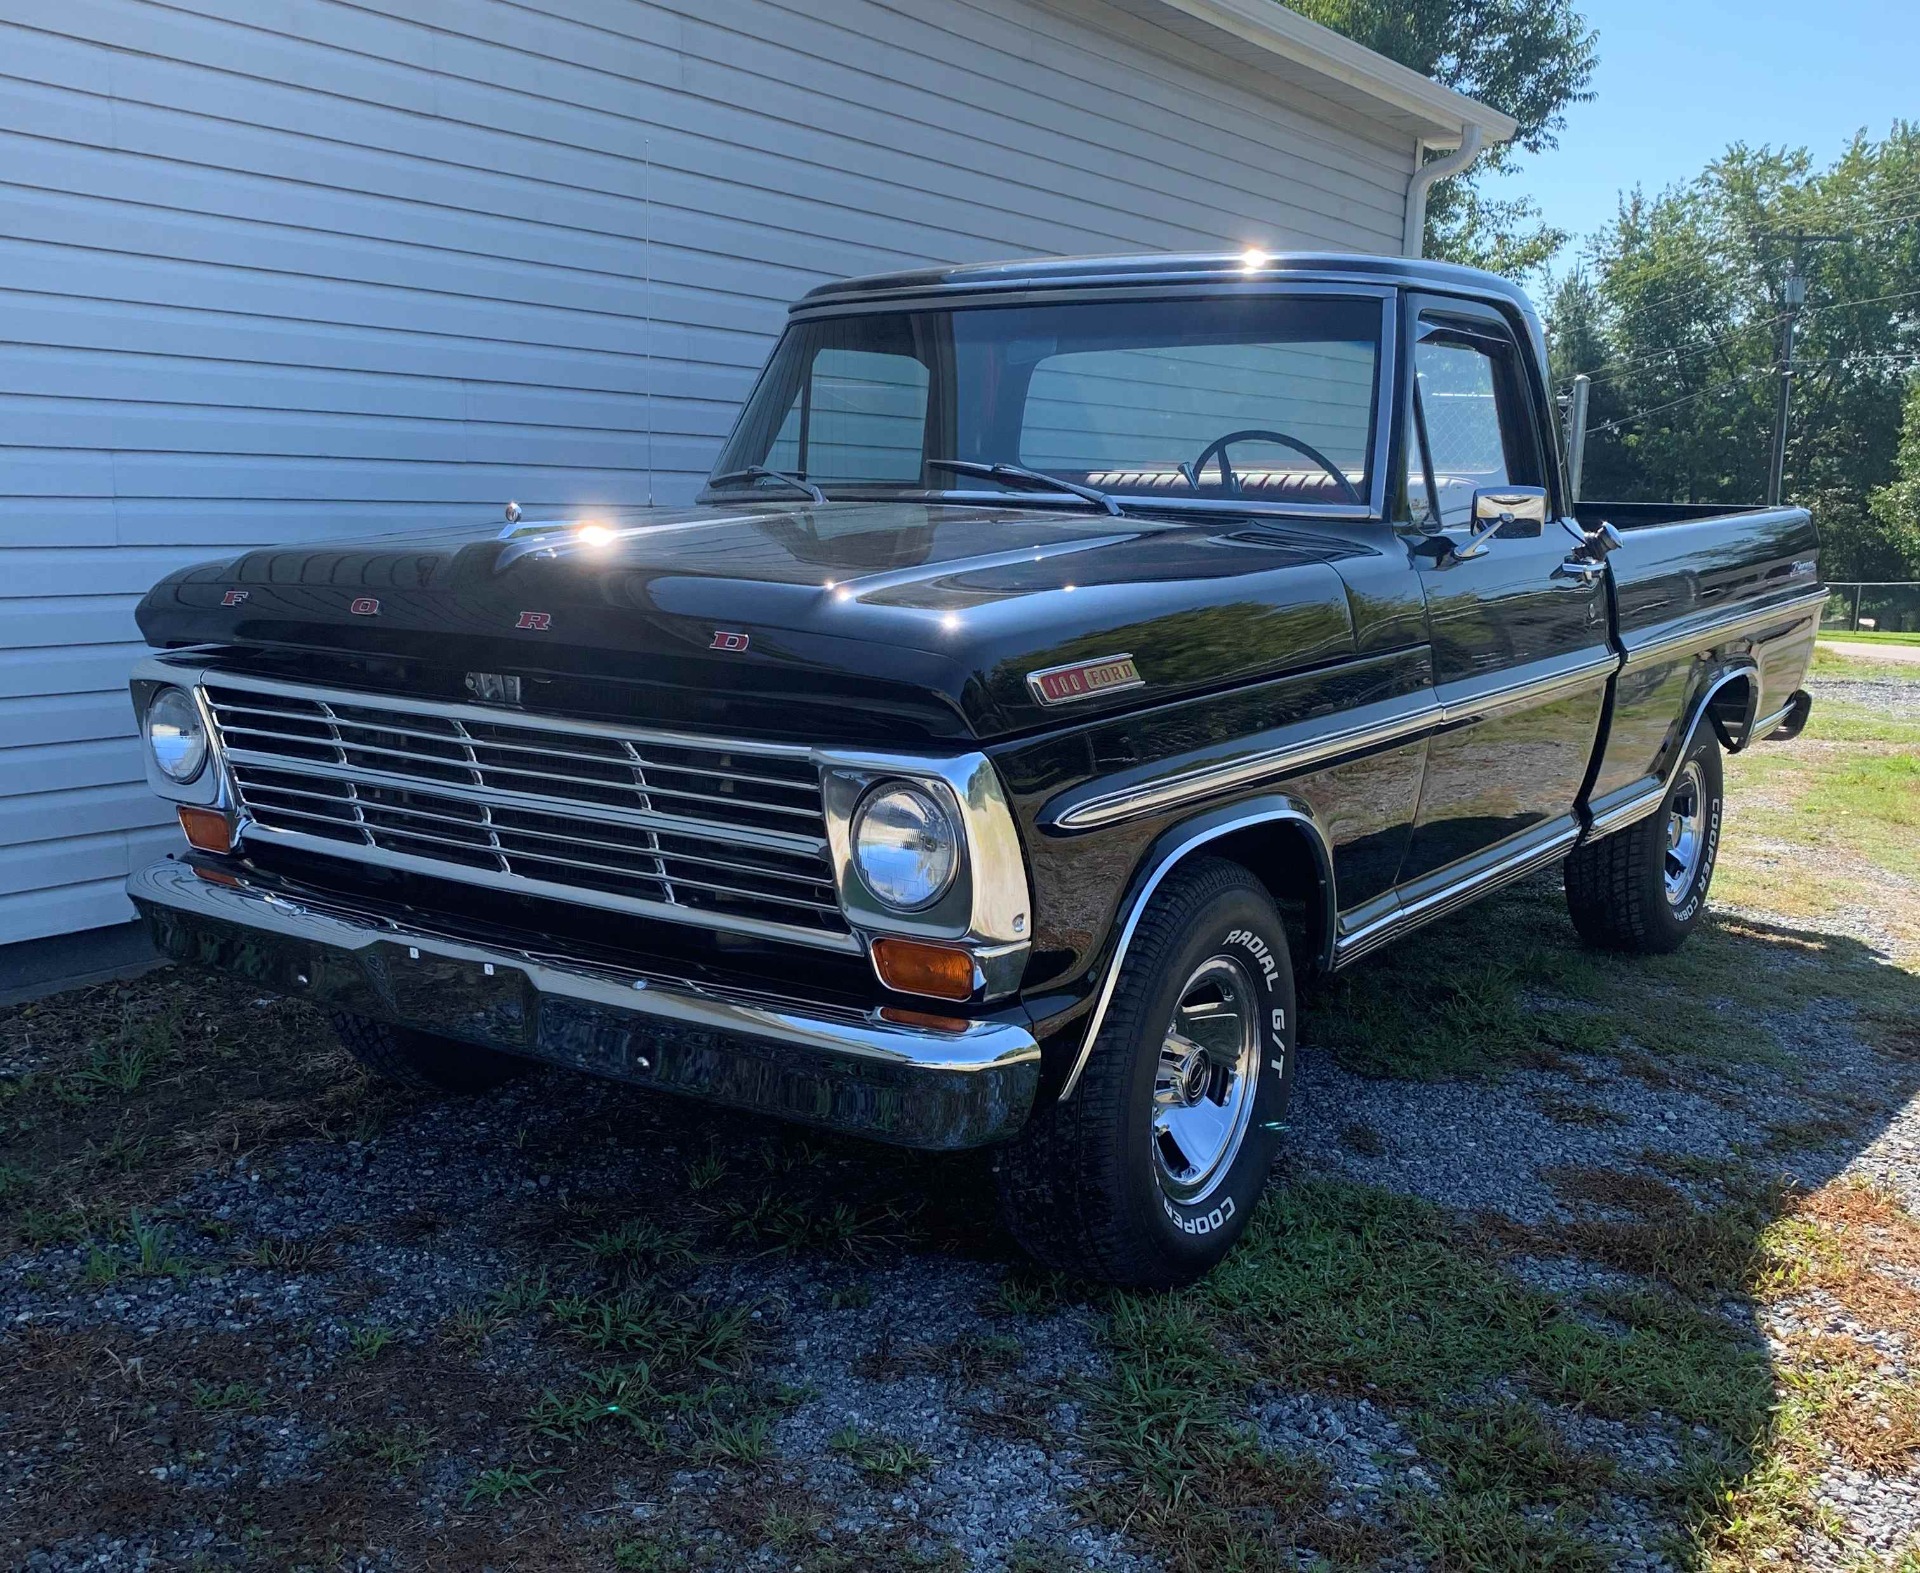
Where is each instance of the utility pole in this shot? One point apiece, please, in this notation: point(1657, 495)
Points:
point(1794, 292)
point(1577, 436)
point(1796, 296)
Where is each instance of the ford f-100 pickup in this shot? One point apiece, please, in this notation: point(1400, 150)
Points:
point(1063, 658)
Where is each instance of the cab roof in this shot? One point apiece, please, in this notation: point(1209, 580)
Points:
point(1169, 268)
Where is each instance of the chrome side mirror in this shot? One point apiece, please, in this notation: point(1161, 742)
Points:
point(1516, 512)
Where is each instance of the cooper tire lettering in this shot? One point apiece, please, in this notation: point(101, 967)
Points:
point(1201, 1223)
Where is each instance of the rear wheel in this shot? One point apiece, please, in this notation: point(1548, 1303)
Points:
point(1645, 888)
point(1150, 1171)
point(424, 1061)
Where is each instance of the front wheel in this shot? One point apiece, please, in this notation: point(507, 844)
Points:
point(1644, 888)
point(1151, 1170)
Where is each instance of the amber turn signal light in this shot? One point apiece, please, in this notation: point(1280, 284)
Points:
point(914, 967)
point(207, 829)
point(894, 1016)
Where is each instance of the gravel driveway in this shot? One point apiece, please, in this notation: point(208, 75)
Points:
point(259, 1312)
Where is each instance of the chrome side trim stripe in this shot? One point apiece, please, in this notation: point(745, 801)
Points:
point(1711, 633)
point(1440, 902)
point(1635, 808)
point(1111, 807)
point(1208, 780)
point(1532, 691)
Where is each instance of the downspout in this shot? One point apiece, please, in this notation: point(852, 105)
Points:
point(1413, 239)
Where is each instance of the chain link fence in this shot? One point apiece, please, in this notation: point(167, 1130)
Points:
point(1888, 608)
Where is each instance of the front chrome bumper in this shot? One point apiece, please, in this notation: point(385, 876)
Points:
point(847, 1069)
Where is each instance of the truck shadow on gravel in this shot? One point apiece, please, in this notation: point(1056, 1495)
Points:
point(1574, 1260)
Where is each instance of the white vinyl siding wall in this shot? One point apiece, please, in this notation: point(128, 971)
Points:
point(282, 271)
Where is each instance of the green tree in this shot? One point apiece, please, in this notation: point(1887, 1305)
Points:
point(1679, 318)
point(1529, 58)
point(1895, 507)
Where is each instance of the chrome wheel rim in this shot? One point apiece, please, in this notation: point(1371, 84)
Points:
point(1686, 832)
point(1203, 1089)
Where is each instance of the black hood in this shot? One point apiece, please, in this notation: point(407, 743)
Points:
point(905, 618)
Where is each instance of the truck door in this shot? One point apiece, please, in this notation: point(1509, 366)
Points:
point(1520, 643)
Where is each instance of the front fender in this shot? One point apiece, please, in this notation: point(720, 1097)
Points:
point(1238, 823)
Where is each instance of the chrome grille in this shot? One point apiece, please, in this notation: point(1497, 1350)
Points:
point(705, 831)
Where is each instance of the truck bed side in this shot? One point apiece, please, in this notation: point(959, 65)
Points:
point(1711, 610)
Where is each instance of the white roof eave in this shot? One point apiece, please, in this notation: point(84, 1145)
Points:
point(1437, 115)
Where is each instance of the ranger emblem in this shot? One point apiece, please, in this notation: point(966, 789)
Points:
point(539, 622)
point(725, 640)
point(365, 606)
point(1060, 685)
point(233, 597)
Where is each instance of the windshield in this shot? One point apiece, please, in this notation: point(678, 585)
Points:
point(1256, 398)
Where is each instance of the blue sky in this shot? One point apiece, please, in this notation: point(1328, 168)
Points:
point(1679, 80)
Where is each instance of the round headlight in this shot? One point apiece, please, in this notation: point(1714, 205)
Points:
point(175, 735)
point(905, 846)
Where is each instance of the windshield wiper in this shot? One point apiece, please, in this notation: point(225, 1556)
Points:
point(759, 472)
point(1021, 478)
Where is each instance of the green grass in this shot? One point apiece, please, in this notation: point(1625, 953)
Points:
point(15, 1182)
point(637, 1249)
point(1846, 667)
point(1871, 636)
point(229, 1397)
point(879, 1457)
point(674, 1334)
point(1810, 823)
point(620, 1400)
point(631, 1555)
point(403, 1448)
point(774, 1222)
point(495, 1486)
point(1531, 994)
point(1344, 1289)
point(519, 1296)
point(746, 1440)
point(126, 1062)
point(285, 1255)
point(1838, 722)
point(1869, 803)
point(154, 1255)
point(369, 1341)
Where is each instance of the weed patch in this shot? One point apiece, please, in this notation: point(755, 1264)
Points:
point(1347, 1289)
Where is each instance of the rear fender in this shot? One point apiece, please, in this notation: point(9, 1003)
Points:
point(1726, 701)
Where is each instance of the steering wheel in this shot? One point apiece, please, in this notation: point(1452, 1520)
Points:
point(1219, 447)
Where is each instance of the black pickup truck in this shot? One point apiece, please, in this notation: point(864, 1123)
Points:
point(1062, 659)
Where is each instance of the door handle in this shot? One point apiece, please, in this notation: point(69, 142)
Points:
point(1576, 573)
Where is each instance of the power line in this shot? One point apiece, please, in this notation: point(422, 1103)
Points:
point(1710, 286)
point(1617, 368)
point(1725, 384)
